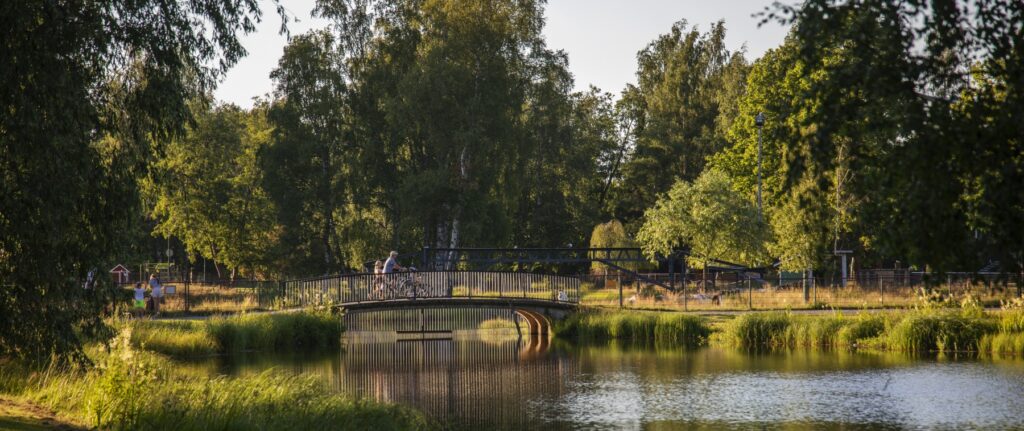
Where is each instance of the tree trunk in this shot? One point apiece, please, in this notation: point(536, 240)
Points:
point(328, 198)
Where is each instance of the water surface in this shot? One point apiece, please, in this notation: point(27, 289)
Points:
point(495, 382)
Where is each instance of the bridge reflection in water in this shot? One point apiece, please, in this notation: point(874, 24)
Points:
point(471, 380)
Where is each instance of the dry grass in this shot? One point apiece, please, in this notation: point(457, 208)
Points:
point(770, 298)
point(210, 299)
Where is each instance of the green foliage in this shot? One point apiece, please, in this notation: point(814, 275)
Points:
point(277, 331)
point(939, 329)
point(87, 88)
point(711, 218)
point(610, 235)
point(664, 328)
point(787, 330)
point(888, 111)
point(306, 161)
point(268, 332)
point(206, 188)
point(678, 113)
point(759, 330)
point(136, 390)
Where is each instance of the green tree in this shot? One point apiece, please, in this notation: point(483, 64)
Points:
point(307, 172)
point(87, 86)
point(610, 235)
point(465, 126)
point(930, 175)
point(206, 188)
point(708, 216)
point(686, 89)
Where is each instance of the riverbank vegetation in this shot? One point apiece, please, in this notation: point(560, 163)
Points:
point(298, 331)
point(134, 389)
point(646, 327)
point(925, 330)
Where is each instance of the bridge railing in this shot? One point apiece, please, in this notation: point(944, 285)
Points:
point(356, 288)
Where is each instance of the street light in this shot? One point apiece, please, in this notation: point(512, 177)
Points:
point(759, 121)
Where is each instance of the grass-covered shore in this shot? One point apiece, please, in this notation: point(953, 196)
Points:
point(301, 331)
point(925, 330)
point(134, 385)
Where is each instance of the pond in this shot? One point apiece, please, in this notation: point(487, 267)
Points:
point(480, 380)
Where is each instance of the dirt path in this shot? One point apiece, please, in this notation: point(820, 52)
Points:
point(17, 415)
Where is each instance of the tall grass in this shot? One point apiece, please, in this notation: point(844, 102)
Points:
point(787, 330)
point(311, 330)
point(134, 390)
point(670, 328)
point(1009, 339)
point(300, 331)
point(933, 330)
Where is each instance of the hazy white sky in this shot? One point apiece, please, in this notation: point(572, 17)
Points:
point(601, 37)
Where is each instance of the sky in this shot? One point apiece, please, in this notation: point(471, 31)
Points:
point(601, 38)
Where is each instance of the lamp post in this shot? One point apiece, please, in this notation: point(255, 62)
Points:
point(759, 121)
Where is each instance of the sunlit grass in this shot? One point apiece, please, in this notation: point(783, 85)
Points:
point(297, 331)
point(672, 328)
point(131, 389)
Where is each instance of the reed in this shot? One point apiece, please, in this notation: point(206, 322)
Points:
point(671, 328)
point(299, 331)
point(787, 330)
point(932, 330)
point(1009, 340)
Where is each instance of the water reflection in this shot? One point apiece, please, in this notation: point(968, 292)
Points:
point(488, 382)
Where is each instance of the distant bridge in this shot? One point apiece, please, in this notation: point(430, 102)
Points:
point(537, 298)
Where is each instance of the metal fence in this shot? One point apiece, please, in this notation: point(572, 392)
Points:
point(354, 288)
point(737, 290)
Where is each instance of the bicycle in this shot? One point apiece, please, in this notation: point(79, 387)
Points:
point(411, 287)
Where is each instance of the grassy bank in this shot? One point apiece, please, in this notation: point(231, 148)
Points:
point(303, 331)
point(131, 389)
point(928, 329)
point(915, 331)
point(673, 328)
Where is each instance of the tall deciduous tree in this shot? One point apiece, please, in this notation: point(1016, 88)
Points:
point(685, 92)
point(307, 174)
point(932, 172)
point(206, 188)
point(711, 218)
point(86, 86)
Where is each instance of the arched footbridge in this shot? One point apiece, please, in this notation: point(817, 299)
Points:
point(537, 298)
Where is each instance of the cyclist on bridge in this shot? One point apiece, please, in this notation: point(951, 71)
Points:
point(392, 264)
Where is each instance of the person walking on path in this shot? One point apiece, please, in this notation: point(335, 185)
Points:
point(157, 293)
